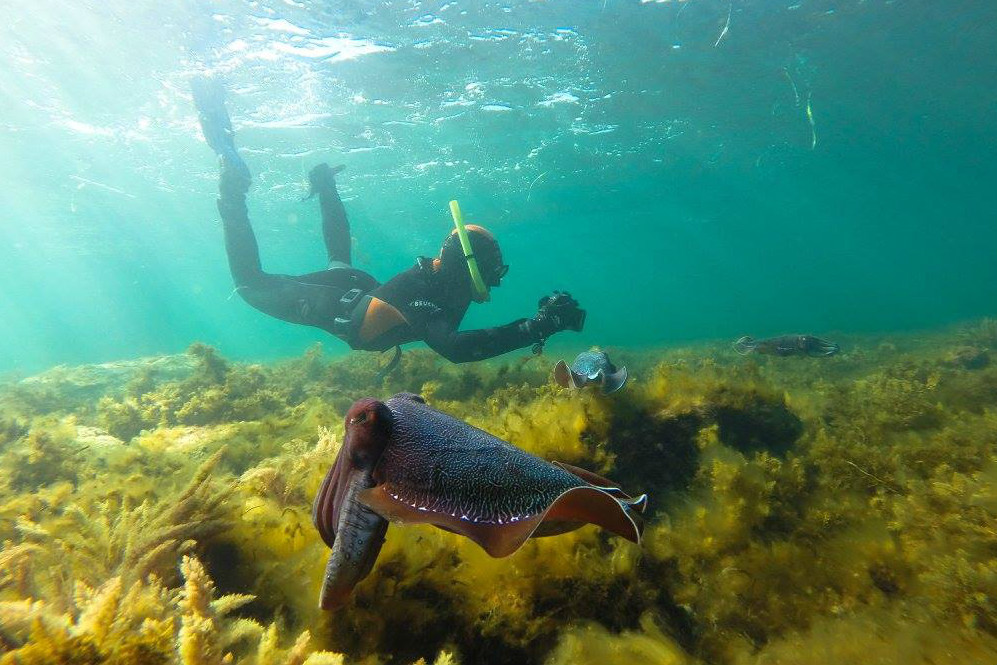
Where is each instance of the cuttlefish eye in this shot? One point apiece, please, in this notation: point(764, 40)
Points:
point(368, 426)
point(363, 411)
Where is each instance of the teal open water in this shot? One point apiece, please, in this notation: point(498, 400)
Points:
point(695, 169)
point(185, 480)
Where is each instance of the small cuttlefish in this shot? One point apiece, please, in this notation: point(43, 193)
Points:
point(787, 345)
point(591, 367)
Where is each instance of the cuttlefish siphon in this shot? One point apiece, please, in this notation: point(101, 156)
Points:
point(407, 462)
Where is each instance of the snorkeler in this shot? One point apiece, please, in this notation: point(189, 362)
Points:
point(426, 302)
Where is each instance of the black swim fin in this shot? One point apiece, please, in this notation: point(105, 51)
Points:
point(320, 176)
point(209, 99)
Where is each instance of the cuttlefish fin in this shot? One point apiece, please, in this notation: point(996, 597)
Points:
point(597, 506)
point(613, 381)
point(574, 508)
point(562, 375)
point(499, 540)
point(593, 479)
point(567, 378)
point(627, 502)
point(745, 345)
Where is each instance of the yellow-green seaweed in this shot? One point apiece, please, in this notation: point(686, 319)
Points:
point(802, 510)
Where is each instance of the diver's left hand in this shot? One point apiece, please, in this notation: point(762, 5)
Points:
point(556, 313)
point(564, 308)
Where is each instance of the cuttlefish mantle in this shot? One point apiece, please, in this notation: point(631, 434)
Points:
point(409, 463)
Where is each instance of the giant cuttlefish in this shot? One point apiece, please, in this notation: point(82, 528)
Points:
point(590, 367)
point(406, 462)
point(787, 345)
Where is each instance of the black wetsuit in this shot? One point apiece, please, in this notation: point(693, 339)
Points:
point(421, 303)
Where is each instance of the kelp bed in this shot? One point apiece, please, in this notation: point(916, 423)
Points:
point(802, 511)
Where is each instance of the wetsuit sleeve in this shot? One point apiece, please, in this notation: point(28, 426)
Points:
point(470, 345)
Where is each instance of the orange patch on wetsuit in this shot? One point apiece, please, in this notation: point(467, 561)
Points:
point(379, 318)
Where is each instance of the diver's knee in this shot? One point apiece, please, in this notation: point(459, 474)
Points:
point(251, 287)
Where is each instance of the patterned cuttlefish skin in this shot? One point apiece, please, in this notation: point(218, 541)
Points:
point(407, 462)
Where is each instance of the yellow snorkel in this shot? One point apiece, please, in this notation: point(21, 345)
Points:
point(477, 284)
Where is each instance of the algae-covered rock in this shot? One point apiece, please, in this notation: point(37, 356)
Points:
point(968, 357)
point(63, 388)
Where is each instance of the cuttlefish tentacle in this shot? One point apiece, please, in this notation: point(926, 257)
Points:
point(353, 531)
point(361, 535)
point(326, 503)
point(820, 347)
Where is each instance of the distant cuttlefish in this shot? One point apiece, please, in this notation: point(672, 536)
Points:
point(787, 345)
point(591, 367)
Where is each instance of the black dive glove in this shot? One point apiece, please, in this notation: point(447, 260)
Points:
point(322, 177)
point(555, 313)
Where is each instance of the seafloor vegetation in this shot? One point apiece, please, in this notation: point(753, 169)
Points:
point(802, 511)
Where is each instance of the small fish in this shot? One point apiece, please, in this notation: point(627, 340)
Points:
point(787, 345)
point(591, 367)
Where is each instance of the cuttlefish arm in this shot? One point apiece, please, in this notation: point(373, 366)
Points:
point(353, 531)
point(815, 346)
point(442, 471)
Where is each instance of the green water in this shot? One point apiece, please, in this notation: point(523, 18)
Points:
point(655, 159)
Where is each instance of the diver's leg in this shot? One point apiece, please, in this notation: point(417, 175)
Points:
point(285, 297)
point(240, 241)
point(282, 296)
point(335, 225)
point(233, 182)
